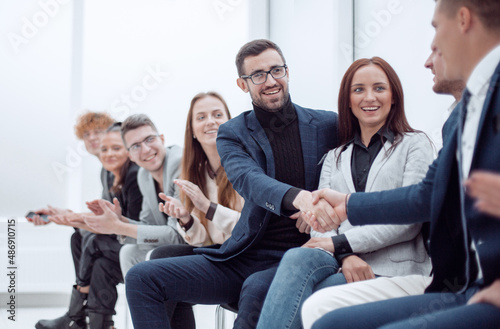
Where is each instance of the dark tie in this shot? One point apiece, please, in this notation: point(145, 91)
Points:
point(463, 114)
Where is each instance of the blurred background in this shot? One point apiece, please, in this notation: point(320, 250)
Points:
point(60, 57)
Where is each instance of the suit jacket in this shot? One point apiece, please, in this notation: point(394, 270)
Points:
point(154, 229)
point(437, 199)
point(247, 158)
point(391, 250)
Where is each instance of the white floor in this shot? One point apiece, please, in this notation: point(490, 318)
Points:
point(27, 317)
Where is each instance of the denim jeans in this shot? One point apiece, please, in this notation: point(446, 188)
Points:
point(427, 311)
point(301, 272)
point(198, 280)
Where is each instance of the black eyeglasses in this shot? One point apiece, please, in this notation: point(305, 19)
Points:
point(259, 78)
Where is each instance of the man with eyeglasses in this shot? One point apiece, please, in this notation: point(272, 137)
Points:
point(160, 165)
point(272, 156)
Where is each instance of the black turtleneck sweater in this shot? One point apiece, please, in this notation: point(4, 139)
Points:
point(282, 130)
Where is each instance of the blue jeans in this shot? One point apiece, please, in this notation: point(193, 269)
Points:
point(197, 280)
point(432, 310)
point(301, 272)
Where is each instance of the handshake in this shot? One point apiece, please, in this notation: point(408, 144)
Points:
point(324, 210)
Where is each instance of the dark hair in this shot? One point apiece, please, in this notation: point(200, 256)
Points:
point(92, 120)
point(254, 48)
point(136, 121)
point(488, 11)
point(195, 162)
point(396, 120)
point(117, 188)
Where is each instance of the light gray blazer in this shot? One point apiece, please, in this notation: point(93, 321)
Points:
point(391, 250)
point(154, 229)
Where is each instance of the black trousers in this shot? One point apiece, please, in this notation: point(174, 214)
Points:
point(97, 263)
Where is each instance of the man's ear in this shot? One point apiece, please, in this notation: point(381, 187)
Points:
point(465, 19)
point(162, 139)
point(242, 84)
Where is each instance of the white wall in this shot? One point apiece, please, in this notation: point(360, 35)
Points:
point(400, 31)
point(36, 128)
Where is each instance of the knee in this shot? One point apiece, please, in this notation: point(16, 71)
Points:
point(297, 256)
point(136, 275)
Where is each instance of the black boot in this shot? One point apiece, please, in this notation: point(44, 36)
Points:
point(100, 321)
point(73, 319)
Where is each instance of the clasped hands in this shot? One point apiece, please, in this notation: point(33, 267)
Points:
point(324, 210)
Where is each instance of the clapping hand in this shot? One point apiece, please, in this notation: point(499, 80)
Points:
point(174, 208)
point(194, 193)
point(107, 222)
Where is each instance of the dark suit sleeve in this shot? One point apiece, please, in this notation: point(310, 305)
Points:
point(247, 177)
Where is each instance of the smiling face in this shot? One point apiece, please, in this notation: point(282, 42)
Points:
point(272, 94)
point(208, 114)
point(370, 97)
point(113, 153)
point(150, 155)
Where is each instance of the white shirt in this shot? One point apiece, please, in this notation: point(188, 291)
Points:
point(478, 87)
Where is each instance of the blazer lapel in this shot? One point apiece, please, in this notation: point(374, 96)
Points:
point(377, 164)
point(260, 137)
point(345, 167)
point(495, 80)
point(152, 198)
point(309, 142)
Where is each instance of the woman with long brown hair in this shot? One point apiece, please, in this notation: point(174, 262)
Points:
point(208, 207)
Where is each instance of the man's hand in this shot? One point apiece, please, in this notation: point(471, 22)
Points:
point(301, 224)
point(107, 223)
point(485, 187)
point(322, 211)
point(335, 199)
point(174, 208)
point(489, 295)
point(323, 243)
point(356, 269)
point(193, 192)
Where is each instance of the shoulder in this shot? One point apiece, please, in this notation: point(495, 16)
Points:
point(416, 138)
point(319, 115)
point(237, 122)
point(173, 154)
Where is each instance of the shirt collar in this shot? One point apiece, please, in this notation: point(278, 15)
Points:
point(386, 134)
point(482, 73)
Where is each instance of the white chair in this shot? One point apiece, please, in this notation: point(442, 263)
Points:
point(220, 314)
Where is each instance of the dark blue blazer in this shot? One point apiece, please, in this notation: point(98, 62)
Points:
point(247, 158)
point(436, 199)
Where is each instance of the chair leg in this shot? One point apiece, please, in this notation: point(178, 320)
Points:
point(220, 319)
